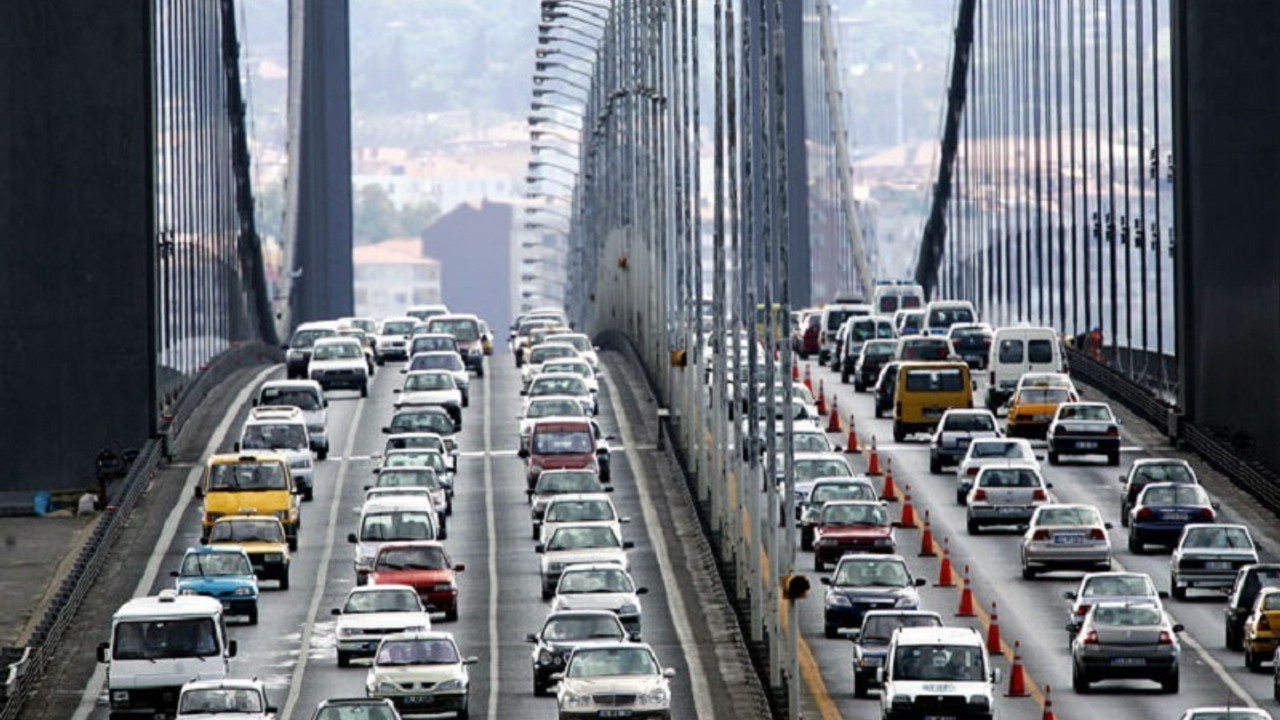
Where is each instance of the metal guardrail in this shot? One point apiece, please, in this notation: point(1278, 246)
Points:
point(1141, 400)
point(21, 676)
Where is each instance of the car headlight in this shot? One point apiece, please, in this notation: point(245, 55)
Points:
point(884, 542)
point(364, 563)
point(629, 609)
point(907, 601)
point(346, 632)
point(273, 557)
point(443, 587)
point(282, 514)
point(243, 591)
point(659, 697)
point(837, 600)
point(574, 700)
point(449, 685)
point(545, 657)
point(386, 687)
point(120, 696)
point(535, 470)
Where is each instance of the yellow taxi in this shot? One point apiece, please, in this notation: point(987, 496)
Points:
point(1262, 629)
point(1032, 409)
point(262, 538)
point(244, 484)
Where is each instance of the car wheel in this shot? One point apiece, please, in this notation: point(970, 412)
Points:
point(1028, 573)
point(466, 400)
point(534, 534)
point(452, 614)
point(253, 616)
point(806, 540)
point(1124, 515)
point(1233, 637)
point(480, 371)
point(972, 526)
point(381, 361)
point(547, 594)
point(1170, 684)
point(284, 580)
point(308, 494)
point(364, 390)
point(1053, 458)
point(818, 565)
point(1079, 681)
point(960, 497)
point(879, 412)
point(860, 689)
point(539, 690)
point(829, 632)
point(1113, 459)
point(1251, 660)
point(344, 659)
point(293, 543)
point(899, 433)
point(935, 466)
point(322, 454)
point(1178, 593)
point(859, 387)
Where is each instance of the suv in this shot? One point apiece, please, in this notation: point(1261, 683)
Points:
point(339, 363)
point(392, 339)
point(1250, 580)
point(298, 350)
point(937, 671)
point(246, 485)
point(281, 431)
point(307, 396)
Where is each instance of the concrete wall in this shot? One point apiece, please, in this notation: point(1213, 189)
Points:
point(75, 237)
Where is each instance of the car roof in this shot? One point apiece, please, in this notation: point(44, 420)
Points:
point(226, 683)
point(396, 502)
point(362, 589)
point(580, 497)
point(293, 384)
point(410, 544)
point(583, 567)
point(938, 636)
point(339, 340)
point(216, 550)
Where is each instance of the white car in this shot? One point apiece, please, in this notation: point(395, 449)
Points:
point(575, 544)
point(601, 587)
point(580, 510)
point(541, 354)
point(231, 699)
point(957, 429)
point(582, 344)
point(430, 387)
point(575, 366)
point(391, 341)
point(925, 661)
point(339, 362)
point(372, 612)
point(991, 451)
point(421, 672)
point(628, 674)
point(1006, 495)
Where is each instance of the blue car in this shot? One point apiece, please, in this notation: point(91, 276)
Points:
point(222, 573)
point(1163, 509)
point(864, 582)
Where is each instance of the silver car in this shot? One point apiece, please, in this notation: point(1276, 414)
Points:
point(956, 430)
point(1130, 588)
point(1065, 537)
point(1122, 642)
point(990, 451)
point(1208, 556)
point(1006, 495)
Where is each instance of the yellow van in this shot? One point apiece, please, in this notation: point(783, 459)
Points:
point(241, 484)
point(925, 391)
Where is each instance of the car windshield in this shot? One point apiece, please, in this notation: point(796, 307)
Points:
point(581, 628)
point(872, 573)
point(568, 482)
point(558, 386)
point(409, 477)
point(596, 581)
point(1224, 538)
point(543, 353)
point(306, 338)
point(430, 381)
point(555, 408)
point(285, 436)
point(969, 422)
point(411, 558)
point(575, 368)
point(397, 327)
point(575, 442)
point(367, 710)
point(301, 399)
point(434, 343)
point(811, 442)
point(158, 639)
point(424, 440)
point(337, 351)
point(810, 469)
point(464, 329)
point(397, 525)
point(1008, 478)
point(935, 380)
point(879, 628)
point(214, 701)
point(1003, 449)
point(1074, 516)
point(436, 361)
point(956, 663)
point(1167, 495)
point(860, 514)
point(846, 491)
point(381, 601)
point(1117, 586)
point(583, 538)
point(1127, 615)
point(216, 563)
point(245, 476)
point(416, 458)
point(1163, 474)
point(417, 652)
point(266, 531)
point(437, 421)
point(1085, 413)
point(605, 662)
point(579, 511)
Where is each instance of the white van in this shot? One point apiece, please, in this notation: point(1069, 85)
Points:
point(307, 396)
point(282, 430)
point(160, 643)
point(392, 519)
point(833, 316)
point(890, 297)
point(937, 671)
point(1016, 351)
point(940, 315)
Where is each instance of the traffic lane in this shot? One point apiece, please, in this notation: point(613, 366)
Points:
point(1049, 662)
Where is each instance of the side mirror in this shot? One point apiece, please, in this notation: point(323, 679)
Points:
point(1069, 595)
point(539, 548)
point(624, 520)
point(204, 541)
point(459, 567)
point(471, 661)
point(607, 488)
point(395, 391)
point(103, 650)
point(837, 448)
point(199, 490)
point(996, 675)
point(1069, 628)
point(1048, 485)
point(610, 437)
point(1215, 505)
point(825, 580)
point(642, 591)
point(235, 446)
point(627, 544)
point(920, 582)
point(253, 402)
point(232, 648)
point(1123, 479)
point(1107, 526)
point(634, 637)
point(285, 346)
point(668, 673)
point(1178, 628)
point(531, 638)
point(522, 453)
point(1163, 594)
point(386, 430)
point(351, 538)
point(335, 611)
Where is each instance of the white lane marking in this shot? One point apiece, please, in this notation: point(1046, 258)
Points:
point(322, 576)
point(99, 679)
point(675, 601)
point(491, 529)
point(924, 446)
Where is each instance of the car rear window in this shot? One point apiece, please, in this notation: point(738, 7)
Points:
point(935, 380)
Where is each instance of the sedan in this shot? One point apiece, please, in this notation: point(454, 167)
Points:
point(1130, 588)
point(573, 544)
point(565, 631)
point(339, 363)
point(1118, 641)
point(424, 566)
point(614, 680)
point(421, 672)
point(825, 491)
point(1226, 713)
point(1065, 537)
point(991, 451)
point(1262, 629)
point(347, 708)
point(867, 582)
point(372, 611)
point(1163, 509)
point(1084, 428)
point(956, 430)
point(1005, 495)
point(1208, 556)
point(851, 526)
point(601, 587)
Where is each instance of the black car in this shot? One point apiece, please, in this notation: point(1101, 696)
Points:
point(871, 642)
point(1250, 580)
point(565, 631)
point(865, 368)
point(1147, 471)
point(887, 388)
point(973, 344)
point(365, 708)
point(865, 582)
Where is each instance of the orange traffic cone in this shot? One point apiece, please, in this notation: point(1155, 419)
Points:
point(833, 421)
point(822, 398)
point(890, 492)
point(795, 372)
point(908, 510)
point(993, 631)
point(926, 539)
point(873, 465)
point(1048, 706)
point(1017, 676)
point(808, 378)
point(946, 577)
point(851, 444)
point(966, 597)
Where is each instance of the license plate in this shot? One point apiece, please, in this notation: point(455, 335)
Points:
point(1010, 510)
point(939, 717)
point(1177, 516)
point(1217, 565)
point(226, 604)
point(615, 713)
point(419, 700)
point(1068, 540)
point(964, 441)
point(369, 646)
point(1086, 445)
point(1128, 662)
point(933, 412)
point(873, 661)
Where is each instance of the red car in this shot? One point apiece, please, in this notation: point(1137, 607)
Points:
point(426, 567)
point(566, 444)
point(851, 526)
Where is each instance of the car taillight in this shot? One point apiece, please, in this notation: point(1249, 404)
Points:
point(1040, 535)
point(1083, 610)
point(1206, 514)
point(1040, 496)
point(972, 472)
point(1145, 513)
point(1113, 431)
point(1264, 623)
point(1166, 637)
point(979, 494)
point(1092, 638)
point(1097, 534)
point(986, 341)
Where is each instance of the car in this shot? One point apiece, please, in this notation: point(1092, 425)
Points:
point(562, 384)
point(807, 340)
point(1163, 509)
point(424, 441)
point(425, 311)
point(424, 566)
point(539, 355)
point(834, 315)
point(1225, 713)
point(366, 343)
point(391, 341)
point(601, 586)
point(908, 321)
point(233, 483)
point(809, 441)
point(564, 631)
point(421, 672)
point(298, 349)
point(1250, 580)
point(232, 699)
point(851, 526)
point(917, 348)
point(421, 457)
point(433, 342)
point(867, 365)
point(871, 642)
point(863, 582)
point(582, 344)
point(1065, 537)
point(972, 342)
point(574, 366)
point(394, 519)
point(1084, 428)
point(809, 505)
point(1119, 641)
point(521, 337)
point(307, 396)
point(1209, 556)
point(1151, 470)
point(553, 483)
point(263, 540)
point(1005, 495)
point(1031, 409)
point(466, 329)
point(223, 573)
point(937, 672)
point(372, 612)
point(280, 431)
point(991, 451)
point(1261, 636)
point(421, 418)
point(361, 708)
point(339, 362)
point(561, 444)
point(890, 296)
point(886, 388)
point(574, 544)
point(443, 360)
point(367, 324)
point(626, 675)
point(1130, 588)
point(432, 387)
point(423, 479)
point(940, 315)
point(579, 509)
point(957, 428)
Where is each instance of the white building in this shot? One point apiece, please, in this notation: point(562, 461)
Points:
point(392, 275)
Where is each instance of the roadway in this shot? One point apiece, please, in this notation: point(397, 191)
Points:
point(292, 648)
point(1034, 612)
